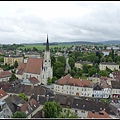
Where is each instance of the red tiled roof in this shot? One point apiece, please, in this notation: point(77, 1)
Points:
point(21, 68)
point(5, 74)
point(32, 103)
point(68, 80)
point(33, 80)
point(2, 93)
point(97, 115)
point(33, 65)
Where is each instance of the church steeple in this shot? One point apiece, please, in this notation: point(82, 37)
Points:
point(47, 44)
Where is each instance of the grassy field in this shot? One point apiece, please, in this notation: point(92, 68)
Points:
point(42, 47)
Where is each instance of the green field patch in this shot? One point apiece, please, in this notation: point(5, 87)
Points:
point(42, 47)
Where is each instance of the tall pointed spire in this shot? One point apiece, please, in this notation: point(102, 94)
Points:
point(47, 44)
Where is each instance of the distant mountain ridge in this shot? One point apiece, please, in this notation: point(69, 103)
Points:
point(111, 42)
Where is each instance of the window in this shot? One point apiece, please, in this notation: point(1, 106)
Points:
point(62, 87)
point(77, 88)
point(45, 60)
point(75, 111)
point(82, 111)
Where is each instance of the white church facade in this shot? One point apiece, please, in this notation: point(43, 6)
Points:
point(39, 68)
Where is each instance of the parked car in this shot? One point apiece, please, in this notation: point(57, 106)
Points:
point(115, 101)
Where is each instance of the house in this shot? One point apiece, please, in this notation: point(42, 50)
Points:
point(82, 107)
point(31, 107)
point(97, 91)
point(79, 64)
point(40, 68)
point(11, 59)
point(106, 52)
point(5, 112)
point(13, 101)
point(16, 87)
point(106, 88)
point(3, 95)
point(73, 86)
point(116, 108)
point(115, 89)
point(5, 75)
point(110, 65)
point(115, 74)
point(94, 78)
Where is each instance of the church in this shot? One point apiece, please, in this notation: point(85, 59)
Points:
point(37, 68)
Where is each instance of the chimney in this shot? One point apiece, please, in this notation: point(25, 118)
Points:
point(47, 97)
point(29, 108)
point(38, 97)
point(93, 111)
point(30, 103)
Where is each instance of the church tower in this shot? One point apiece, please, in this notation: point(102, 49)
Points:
point(47, 71)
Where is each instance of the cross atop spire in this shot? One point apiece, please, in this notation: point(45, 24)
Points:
point(47, 44)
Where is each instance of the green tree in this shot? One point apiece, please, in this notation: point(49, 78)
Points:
point(85, 68)
point(52, 109)
point(19, 114)
point(13, 77)
point(66, 113)
point(103, 73)
point(71, 62)
point(57, 66)
point(22, 95)
point(54, 79)
point(110, 59)
point(53, 60)
point(92, 71)
point(103, 59)
point(1, 59)
point(49, 81)
point(62, 60)
point(15, 64)
point(59, 72)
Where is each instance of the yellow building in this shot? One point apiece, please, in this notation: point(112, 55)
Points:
point(79, 64)
point(11, 59)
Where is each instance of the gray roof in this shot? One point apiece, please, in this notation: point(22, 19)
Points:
point(115, 84)
point(108, 63)
point(90, 105)
point(12, 102)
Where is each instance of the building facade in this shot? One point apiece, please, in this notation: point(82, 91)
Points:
point(11, 60)
point(112, 66)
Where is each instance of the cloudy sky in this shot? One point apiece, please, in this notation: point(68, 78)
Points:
point(31, 21)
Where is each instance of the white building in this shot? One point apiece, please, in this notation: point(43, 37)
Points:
point(73, 86)
point(110, 65)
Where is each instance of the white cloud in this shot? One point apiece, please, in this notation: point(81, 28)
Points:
point(30, 21)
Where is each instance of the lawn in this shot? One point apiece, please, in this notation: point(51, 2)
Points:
point(84, 78)
point(42, 47)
